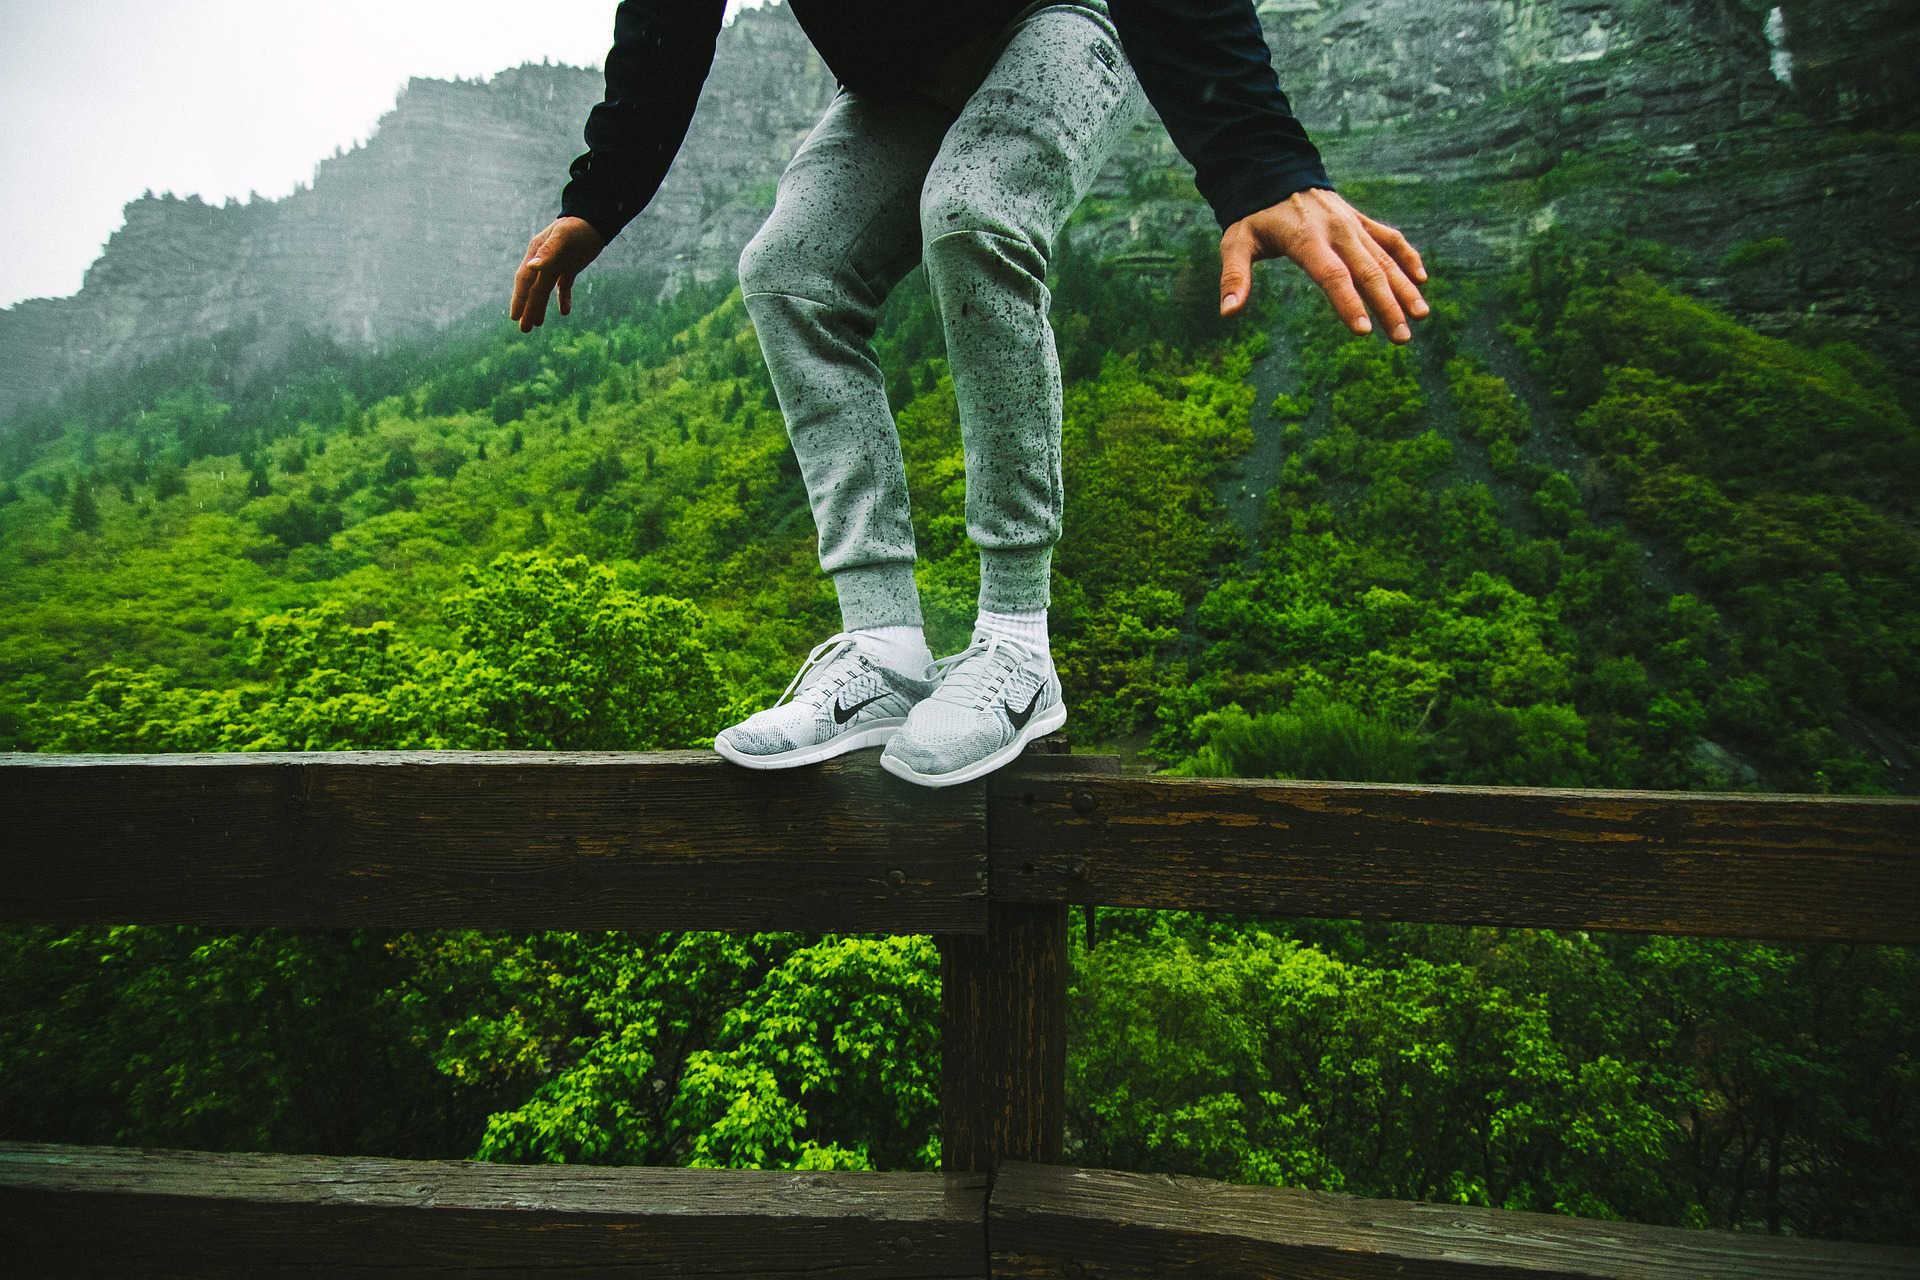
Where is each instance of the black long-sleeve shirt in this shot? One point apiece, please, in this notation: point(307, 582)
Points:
point(1203, 63)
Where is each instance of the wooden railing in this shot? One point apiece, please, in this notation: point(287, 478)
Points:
point(682, 840)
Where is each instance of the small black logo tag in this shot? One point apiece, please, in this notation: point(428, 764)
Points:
point(1020, 718)
point(843, 714)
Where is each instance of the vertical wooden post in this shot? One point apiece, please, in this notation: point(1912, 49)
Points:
point(1003, 1039)
point(1003, 1030)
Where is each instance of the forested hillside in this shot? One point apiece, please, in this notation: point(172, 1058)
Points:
point(1585, 531)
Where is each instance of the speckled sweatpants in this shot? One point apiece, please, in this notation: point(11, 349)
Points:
point(980, 195)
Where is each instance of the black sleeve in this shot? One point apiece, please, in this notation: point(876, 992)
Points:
point(662, 51)
point(1207, 70)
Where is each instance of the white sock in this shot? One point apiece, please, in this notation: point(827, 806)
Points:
point(1029, 629)
point(902, 648)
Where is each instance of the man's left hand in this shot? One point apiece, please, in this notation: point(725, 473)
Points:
point(1360, 263)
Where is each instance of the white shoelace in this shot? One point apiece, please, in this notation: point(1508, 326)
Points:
point(822, 655)
point(979, 677)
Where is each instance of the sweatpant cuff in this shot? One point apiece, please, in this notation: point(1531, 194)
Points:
point(1015, 581)
point(878, 595)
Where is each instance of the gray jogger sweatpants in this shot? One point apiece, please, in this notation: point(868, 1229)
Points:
point(980, 195)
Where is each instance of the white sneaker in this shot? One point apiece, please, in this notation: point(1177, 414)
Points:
point(842, 701)
point(993, 698)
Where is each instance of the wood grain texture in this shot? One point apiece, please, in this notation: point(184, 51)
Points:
point(564, 840)
point(1003, 1039)
point(116, 1211)
point(1808, 868)
point(1049, 1221)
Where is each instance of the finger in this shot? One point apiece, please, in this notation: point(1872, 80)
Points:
point(522, 287)
point(1370, 278)
point(537, 301)
point(1236, 270)
point(523, 278)
point(1325, 268)
point(1404, 290)
point(566, 295)
point(1396, 244)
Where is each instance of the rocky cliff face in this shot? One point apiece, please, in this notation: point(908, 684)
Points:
point(1473, 124)
point(426, 221)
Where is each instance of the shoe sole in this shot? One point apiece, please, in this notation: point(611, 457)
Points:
point(873, 735)
point(1045, 722)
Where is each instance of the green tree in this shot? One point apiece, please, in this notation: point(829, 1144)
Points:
point(568, 660)
point(82, 512)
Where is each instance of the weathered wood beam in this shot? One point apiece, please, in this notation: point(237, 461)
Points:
point(1096, 1224)
point(1003, 1017)
point(1003, 1039)
point(1795, 867)
point(117, 1211)
point(526, 840)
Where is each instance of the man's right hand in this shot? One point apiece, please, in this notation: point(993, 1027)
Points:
point(556, 254)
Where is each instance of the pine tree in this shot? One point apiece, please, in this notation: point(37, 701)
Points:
point(169, 481)
point(82, 514)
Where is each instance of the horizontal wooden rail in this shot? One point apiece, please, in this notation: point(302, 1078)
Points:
point(1794, 867)
point(684, 840)
point(115, 1211)
point(1098, 1224)
point(118, 1211)
point(658, 840)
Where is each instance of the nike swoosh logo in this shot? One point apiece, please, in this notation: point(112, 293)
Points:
point(1020, 718)
point(843, 714)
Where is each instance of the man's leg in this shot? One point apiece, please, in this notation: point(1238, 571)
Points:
point(1023, 151)
point(844, 230)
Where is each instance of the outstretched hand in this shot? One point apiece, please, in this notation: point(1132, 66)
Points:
point(556, 254)
point(1360, 263)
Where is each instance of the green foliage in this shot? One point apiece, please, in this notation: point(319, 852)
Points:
point(1314, 738)
point(1487, 406)
point(1286, 406)
point(1751, 253)
point(83, 514)
point(568, 660)
point(551, 654)
point(1253, 1058)
point(732, 1051)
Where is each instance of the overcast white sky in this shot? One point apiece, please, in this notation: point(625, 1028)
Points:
point(103, 99)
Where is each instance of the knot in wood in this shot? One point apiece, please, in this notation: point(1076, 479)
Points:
point(896, 878)
point(1083, 802)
